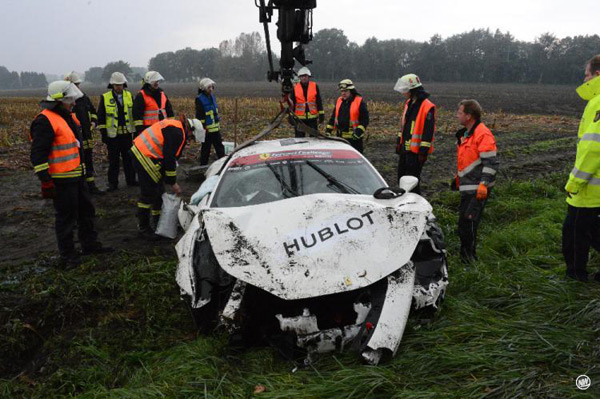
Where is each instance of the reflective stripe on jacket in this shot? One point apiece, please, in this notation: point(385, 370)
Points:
point(64, 159)
point(477, 159)
point(584, 179)
point(211, 112)
point(151, 141)
point(310, 102)
point(112, 114)
point(354, 115)
point(417, 128)
point(152, 111)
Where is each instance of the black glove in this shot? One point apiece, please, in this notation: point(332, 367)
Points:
point(48, 189)
point(422, 157)
point(398, 145)
point(357, 134)
point(321, 118)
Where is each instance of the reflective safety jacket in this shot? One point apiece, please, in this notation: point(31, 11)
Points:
point(358, 117)
point(207, 112)
point(86, 114)
point(417, 138)
point(584, 179)
point(109, 117)
point(308, 103)
point(158, 147)
point(477, 159)
point(153, 111)
point(55, 148)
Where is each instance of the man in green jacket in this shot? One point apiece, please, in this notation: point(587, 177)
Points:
point(581, 229)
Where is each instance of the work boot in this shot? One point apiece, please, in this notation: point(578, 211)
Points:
point(69, 261)
point(144, 230)
point(96, 248)
point(94, 190)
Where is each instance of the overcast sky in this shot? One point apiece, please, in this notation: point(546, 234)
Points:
point(56, 36)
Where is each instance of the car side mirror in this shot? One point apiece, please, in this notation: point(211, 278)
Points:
point(407, 183)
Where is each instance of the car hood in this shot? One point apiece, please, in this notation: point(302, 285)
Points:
point(316, 244)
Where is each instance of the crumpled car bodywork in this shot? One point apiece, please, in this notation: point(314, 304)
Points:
point(334, 271)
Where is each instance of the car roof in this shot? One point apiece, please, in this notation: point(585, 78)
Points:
point(292, 144)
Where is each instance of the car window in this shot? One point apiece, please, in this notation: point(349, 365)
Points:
point(272, 178)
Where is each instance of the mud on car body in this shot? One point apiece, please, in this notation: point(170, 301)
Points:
point(302, 238)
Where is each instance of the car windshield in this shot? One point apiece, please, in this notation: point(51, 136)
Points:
point(275, 176)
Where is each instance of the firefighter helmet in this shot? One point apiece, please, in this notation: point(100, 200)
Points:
point(304, 71)
point(407, 82)
point(63, 91)
point(346, 84)
point(73, 77)
point(117, 78)
point(205, 83)
point(153, 76)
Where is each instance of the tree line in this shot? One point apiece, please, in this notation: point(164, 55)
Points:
point(24, 80)
point(479, 55)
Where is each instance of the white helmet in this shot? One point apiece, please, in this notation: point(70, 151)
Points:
point(73, 77)
point(205, 83)
point(63, 91)
point(304, 71)
point(117, 78)
point(407, 83)
point(346, 84)
point(153, 76)
point(197, 130)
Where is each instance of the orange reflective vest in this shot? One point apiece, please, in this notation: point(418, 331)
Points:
point(417, 127)
point(151, 141)
point(64, 154)
point(302, 103)
point(354, 114)
point(152, 111)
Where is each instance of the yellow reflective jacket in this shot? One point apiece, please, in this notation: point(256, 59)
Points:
point(584, 180)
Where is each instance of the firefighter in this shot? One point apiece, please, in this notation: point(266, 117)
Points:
point(477, 166)
point(86, 114)
point(581, 228)
point(207, 112)
point(57, 158)
point(415, 139)
point(115, 118)
point(350, 117)
point(151, 104)
point(155, 152)
point(307, 103)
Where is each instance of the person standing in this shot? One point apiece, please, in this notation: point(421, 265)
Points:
point(155, 152)
point(207, 112)
point(115, 118)
point(350, 116)
point(58, 161)
point(415, 140)
point(581, 228)
point(307, 102)
point(477, 163)
point(151, 104)
point(86, 114)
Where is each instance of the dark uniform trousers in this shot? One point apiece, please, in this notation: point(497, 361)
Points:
point(74, 208)
point(150, 194)
point(470, 213)
point(212, 139)
point(581, 230)
point(357, 144)
point(409, 165)
point(312, 123)
point(118, 149)
point(88, 157)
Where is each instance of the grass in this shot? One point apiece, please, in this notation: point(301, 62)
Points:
point(511, 327)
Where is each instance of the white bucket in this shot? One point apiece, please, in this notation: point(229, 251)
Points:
point(229, 145)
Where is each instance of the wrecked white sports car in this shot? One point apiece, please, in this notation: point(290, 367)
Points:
point(302, 238)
